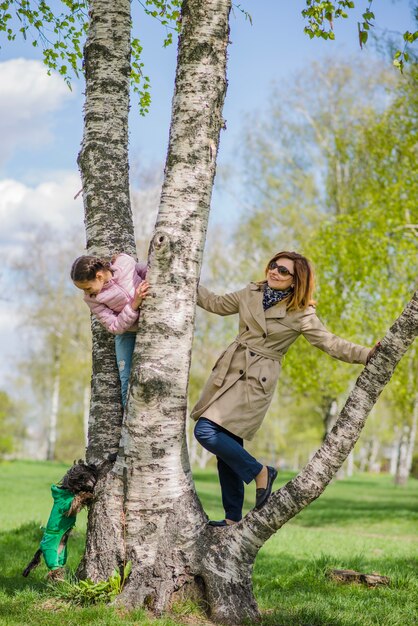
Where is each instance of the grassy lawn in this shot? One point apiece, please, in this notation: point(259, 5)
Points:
point(363, 523)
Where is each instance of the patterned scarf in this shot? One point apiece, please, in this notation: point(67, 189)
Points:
point(273, 296)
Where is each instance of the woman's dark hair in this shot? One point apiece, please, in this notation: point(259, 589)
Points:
point(303, 279)
point(86, 267)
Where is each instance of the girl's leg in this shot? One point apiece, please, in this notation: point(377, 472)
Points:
point(124, 347)
point(229, 450)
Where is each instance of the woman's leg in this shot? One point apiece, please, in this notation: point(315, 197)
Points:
point(124, 347)
point(232, 489)
point(235, 464)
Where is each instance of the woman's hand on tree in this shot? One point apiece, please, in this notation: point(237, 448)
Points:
point(141, 293)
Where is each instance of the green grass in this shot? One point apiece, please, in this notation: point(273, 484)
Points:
point(364, 523)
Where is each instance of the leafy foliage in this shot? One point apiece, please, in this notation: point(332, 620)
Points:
point(62, 33)
point(168, 14)
point(320, 15)
point(87, 592)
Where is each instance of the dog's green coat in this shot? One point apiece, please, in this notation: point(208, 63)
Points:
point(58, 524)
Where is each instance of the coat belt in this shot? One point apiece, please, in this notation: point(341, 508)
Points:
point(230, 351)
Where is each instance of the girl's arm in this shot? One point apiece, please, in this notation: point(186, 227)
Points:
point(317, 335)
point(227, 304)
point(115, 323)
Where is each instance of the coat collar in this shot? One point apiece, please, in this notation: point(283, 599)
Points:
point(256, 306)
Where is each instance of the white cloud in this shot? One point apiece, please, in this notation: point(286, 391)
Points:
point(28, 96)
point(24, 211)
point(23, 208)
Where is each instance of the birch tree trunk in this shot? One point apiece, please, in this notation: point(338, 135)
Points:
point(394, 451)
point(103, 163)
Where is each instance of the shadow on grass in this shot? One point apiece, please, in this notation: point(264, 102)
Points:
point(17, 547)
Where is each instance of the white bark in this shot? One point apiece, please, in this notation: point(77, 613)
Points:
point(103, 162)
point(374, 451)
point(350, 464)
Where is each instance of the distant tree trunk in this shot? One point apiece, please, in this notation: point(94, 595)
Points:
point(53, 416)
point(402, 472)
point(374, 451)
point(86, 412)
point(394, 451)
point(330, 416)
point(350, 464)
point(412, 435)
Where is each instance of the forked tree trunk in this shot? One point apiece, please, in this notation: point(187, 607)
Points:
point(146, 508)
point(149, 497)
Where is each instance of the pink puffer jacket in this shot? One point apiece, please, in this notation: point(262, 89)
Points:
point(112, 306)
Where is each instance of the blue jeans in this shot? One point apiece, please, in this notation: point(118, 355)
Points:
point(235, 465)
point(124, 346)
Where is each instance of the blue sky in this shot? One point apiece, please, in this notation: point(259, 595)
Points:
point(41, 120)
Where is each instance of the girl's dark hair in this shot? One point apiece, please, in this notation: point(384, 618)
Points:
point(86, 267)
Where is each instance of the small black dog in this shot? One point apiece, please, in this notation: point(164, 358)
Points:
point(74, 491)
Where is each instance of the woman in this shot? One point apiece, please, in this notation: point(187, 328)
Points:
point(272, 315)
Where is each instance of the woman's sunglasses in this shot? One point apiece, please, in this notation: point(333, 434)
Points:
point(281, 269)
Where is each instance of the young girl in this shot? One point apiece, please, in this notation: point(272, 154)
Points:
point(114, 292)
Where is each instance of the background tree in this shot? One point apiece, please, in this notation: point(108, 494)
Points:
point(58, 363)
point(11, 426)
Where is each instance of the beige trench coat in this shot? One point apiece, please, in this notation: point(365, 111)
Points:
point(241, 385)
